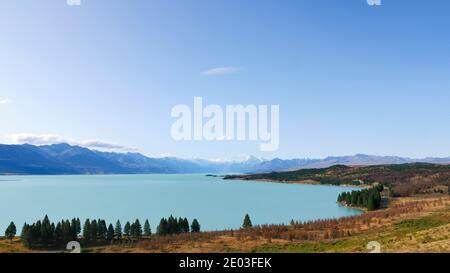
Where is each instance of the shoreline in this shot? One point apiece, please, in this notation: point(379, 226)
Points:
point(363, 209)
point(305, 182)
point(299, 182)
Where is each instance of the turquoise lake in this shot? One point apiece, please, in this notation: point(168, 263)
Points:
point(216, 203)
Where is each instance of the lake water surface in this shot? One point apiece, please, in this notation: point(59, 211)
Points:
point(216, 203)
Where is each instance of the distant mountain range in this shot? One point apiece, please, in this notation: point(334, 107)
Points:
point(66, 159)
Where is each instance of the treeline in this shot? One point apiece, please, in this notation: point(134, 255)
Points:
point(336, 181)
point(368, 198)
point(98, 230)
point(46, 234)
point(172, 225)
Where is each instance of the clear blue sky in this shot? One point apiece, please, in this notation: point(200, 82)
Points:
point(349, 78)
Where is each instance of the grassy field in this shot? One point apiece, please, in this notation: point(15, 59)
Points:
point(428, 234)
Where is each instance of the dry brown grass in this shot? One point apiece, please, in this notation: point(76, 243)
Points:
point(317, 231)
point(14, 246)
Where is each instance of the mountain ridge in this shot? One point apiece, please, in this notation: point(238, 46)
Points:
point(63, 158)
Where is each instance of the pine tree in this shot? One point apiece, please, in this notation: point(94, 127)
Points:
point(133, 230)
point(46, 231)
point(94, 230)
point(36, 233)
point(53, 230)
point(195, 227)
point(11, 231)
point(73, 228)
point(180, 225)
point(377, 200)
point(118, 230)
point(58, 234)
point(127, 229)
point(172, 225)
point(37, 229)
point(185, 225)
point(67, 232)
point(147, 230)
point(137, 229)
point(78, 227)
point(354, 198)
point(87, 230)
point(247, 222)
point(370, 204)
point(102, 229)
point(162, 228)
point(25, 235)
point(110, 233)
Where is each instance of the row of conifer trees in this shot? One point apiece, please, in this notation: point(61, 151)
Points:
point(45, 233)
point(173, 225)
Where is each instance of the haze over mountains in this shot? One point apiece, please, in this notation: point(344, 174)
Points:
point(66, 159)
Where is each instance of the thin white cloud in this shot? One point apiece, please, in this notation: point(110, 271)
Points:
point(100, 144)
point(4, 101)
point(221, 71)
point(34, 139)
point(48, 139)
